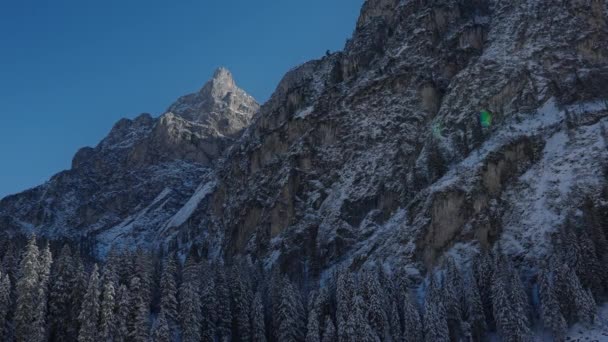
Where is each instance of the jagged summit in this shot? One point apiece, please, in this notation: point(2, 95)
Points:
point(220, 99)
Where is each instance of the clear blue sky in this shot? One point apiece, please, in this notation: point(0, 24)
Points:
point(69, 69)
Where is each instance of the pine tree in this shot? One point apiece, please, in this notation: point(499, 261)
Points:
point(345, 292)
point(160, 331)
point(549, 308)
point(329, 333)
point(44, 274)
point(257, 319)
point(435, 316)
point(209, 309)
point(168, 288)
point(473, 310)
point(5, 302)
point(122, 313)
point(107, 324)
point(138, 322)
point(373, 297)
point(509, 311)
point(357, 327)
point(190, 303)
point(312, 328)
point(79, 289)
point(60, 299)
point(290, 315)
point(241, 303)
point(395, 323)
point(26, 329)
point(224, 314)
point(89, 314)
point(483, 268)
point(412, 325)
point(453, 298)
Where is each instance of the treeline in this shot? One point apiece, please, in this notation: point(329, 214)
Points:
point(60, 294)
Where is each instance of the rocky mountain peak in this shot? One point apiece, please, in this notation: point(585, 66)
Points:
point(220, 85)
point(220, 99)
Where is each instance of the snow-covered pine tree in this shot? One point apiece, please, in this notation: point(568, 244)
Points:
point(190, 303)
point(44, 274)
point(357, 326)
point(62, 283)
point(329, 331)
point(89, 313)
point(139, 314)
point(291, 315)
point(551, 316)
point(143, 269)
point(5, 302)
point(224, 313)
point(395, 323)
point(483, 267)
point(27, 295)
point(412, 324)
point(453, 292)
point(373, 296)
point(435, 316)
point(509, 313)
point(241, 304)
point(168, 290)
point(257, 319)
point(123, 303)
point(473, 311)
point(209, 308)
point(591, 270)
point(345, 293)
point(107, 323)
point(312, 328)
point(79, 289)
point(160, 330)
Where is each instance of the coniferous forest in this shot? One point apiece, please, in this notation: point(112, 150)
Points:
point(51, 291)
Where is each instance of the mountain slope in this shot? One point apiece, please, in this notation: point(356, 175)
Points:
point(375, 154)
point(136, 179)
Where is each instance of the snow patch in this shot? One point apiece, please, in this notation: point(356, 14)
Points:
point(186, 211)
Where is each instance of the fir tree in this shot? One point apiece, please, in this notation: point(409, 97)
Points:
point(122, 314)
point(241, 303)
point(291, 316)
point(395, 323)
point(5, 302)
point(160, 331)
point(139, 311)
point(168, 288)
point(329, 332)
point(89, 313)
point(312, 328)
point(345, 292)
point(549, 308)
point(209, 309)
point(107, 324)
point(453, 299)
point(373, 297)
point(435, 316)
point(60, 295)
point(473, 310)
point(412, 325)
point(26, 329)
point(190, 309)
point(224, 314)
point(257, 319)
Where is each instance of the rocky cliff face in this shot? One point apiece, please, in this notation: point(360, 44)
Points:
point(376, 154)
point(125, 189)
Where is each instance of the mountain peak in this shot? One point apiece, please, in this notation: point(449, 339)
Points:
point(219, 85)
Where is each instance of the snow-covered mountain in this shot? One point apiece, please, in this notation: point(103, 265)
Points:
point(142, 176)
point(375, 154)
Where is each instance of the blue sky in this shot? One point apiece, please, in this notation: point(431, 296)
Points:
point(69, 69)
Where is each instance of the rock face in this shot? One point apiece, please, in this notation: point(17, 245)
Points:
point(124, 190)
point(371, 155)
